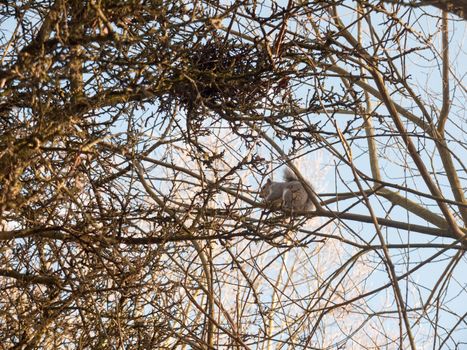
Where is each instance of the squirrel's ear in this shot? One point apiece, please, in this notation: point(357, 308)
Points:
point(268, 181)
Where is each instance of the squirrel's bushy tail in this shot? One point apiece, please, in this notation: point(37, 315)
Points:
point(305, 203)
point(289, 175)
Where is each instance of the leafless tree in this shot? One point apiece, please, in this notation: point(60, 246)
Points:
point(135, 136)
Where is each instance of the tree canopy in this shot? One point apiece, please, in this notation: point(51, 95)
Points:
point(135, 136)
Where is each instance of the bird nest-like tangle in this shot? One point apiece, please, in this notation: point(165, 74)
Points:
point(221, 74)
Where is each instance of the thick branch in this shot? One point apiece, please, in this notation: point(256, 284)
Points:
point(30, 278)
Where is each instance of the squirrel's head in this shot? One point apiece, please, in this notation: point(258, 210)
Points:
point(264, 192)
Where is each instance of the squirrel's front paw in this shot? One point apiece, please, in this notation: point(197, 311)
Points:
point(274, 205)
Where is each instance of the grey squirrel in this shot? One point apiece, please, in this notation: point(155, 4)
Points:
point(289, 195)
